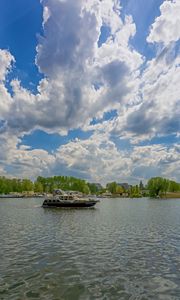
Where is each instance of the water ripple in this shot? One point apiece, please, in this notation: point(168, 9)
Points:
point(123, 249)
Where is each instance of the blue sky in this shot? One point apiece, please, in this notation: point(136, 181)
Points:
point(85, 89)
point(20, 23)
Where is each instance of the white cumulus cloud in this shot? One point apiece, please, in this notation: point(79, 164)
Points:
point(166, 27)
point(83, 79)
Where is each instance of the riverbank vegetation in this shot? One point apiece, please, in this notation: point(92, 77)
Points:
point(43, 185)
point(156, 187)
point(15, 185)
point(123, 190)
point(163, 188)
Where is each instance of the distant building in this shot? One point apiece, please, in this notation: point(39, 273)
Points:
point(124, 185)
point(106, 195)
point(75, 193)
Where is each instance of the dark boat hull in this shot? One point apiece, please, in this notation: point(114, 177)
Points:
point(69, 204)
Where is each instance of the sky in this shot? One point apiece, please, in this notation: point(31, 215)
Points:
point(90, 88)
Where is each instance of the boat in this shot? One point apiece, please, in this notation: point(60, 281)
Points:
point(65, 199)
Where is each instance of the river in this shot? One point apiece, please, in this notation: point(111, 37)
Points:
point(121, 249)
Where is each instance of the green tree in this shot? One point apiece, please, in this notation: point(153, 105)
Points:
point(141, 186)
point(159, 186)
point(119, 190)
point(64, 183)
point(38, 187)
point(27, 185)
point(111, 187)
point(173, 186)
point(93, 188)
point(135, 192)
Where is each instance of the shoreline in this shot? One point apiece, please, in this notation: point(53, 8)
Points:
point(177, 196)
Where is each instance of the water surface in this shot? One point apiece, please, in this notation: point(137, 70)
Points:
point(122, 249)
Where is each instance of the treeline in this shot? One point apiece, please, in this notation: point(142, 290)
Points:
point(48, 184)
point(132, 191)
point(158, 186)
point(15, 185)
point(45, 185)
